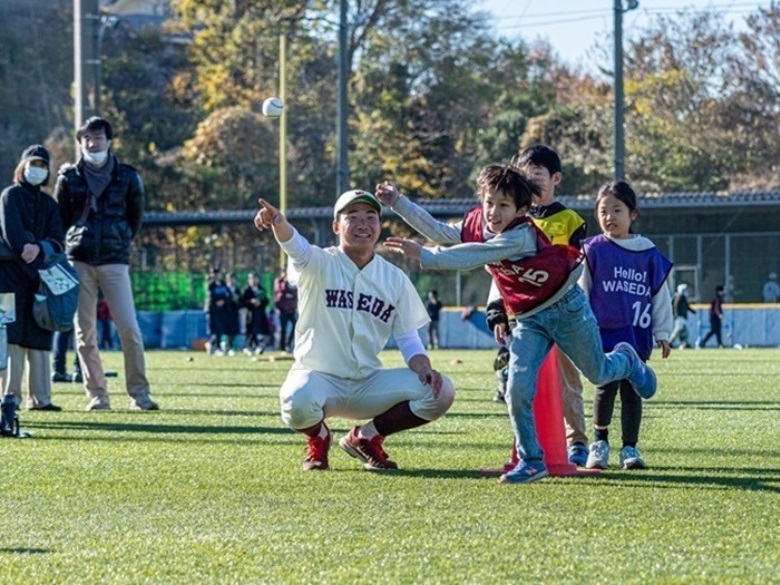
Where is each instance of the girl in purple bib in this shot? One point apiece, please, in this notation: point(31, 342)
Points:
point(625, 280)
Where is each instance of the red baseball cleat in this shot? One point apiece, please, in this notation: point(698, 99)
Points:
point(368, 451)
point(317, 452)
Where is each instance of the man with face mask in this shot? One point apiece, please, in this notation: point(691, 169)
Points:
point(101, 204)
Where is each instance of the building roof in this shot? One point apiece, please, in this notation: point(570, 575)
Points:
point(676, 202)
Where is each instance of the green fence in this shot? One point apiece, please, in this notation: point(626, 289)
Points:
point(179, 291)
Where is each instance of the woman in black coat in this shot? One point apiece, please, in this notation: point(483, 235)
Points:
point(30, 229)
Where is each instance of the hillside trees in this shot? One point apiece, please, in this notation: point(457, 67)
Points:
point(433, 96)
point(35, 81)
point(700, 101)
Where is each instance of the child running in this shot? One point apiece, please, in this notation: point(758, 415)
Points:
point(538, 283)
point(626, 282)
point(563, 226)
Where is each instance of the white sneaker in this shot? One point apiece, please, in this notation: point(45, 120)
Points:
point(630, 458)
point(247, 351)
point(598, 455)
point(99, 403)
point(143, 402)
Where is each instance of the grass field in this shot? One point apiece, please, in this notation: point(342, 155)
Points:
point(210, 489)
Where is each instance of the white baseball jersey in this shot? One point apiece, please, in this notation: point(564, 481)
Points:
point(347, 315)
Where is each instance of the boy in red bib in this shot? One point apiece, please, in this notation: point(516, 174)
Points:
point(537, 281)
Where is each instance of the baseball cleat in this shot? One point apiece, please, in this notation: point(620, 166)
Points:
point(317, 451)
point(367, 451)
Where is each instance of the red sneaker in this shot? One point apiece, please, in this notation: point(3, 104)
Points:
point(368, 451)
point(317, 452)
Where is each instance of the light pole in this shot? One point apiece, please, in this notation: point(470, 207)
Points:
point(342, 179)
point(620, 146)
point(86, 59)
point(283, 135)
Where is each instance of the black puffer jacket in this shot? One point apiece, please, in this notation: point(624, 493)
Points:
point(105, 236)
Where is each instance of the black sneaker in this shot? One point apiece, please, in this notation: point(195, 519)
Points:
point(51, 407)
point(60, 377)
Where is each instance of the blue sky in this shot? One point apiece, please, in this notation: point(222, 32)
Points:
point(573, 26)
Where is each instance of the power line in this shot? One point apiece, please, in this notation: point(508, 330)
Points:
point(601, 14)
point(591, 14)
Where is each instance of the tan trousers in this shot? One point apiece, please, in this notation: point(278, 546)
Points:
point(34, 364)
point(114, 281)
point(573, 403)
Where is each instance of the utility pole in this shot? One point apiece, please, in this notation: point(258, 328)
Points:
point(619, 136)
point(86, 59)
point(342, 179)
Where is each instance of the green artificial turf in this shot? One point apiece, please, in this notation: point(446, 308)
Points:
point(210, 489)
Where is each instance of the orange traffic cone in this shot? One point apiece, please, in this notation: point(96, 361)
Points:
point(548, 412)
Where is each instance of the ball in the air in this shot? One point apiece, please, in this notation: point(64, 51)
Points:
point(273, 107)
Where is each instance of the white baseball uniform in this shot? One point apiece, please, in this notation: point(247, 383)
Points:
point(346, 317)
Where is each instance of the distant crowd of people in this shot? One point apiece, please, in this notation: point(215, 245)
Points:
point(231, 312)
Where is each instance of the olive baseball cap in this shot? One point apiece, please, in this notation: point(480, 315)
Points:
point(350, 197)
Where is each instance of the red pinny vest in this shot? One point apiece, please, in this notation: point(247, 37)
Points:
point(527, 283)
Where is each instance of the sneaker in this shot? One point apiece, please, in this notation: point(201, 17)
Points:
point(60, 377)
point(630, 458)
point(501, 360)
point(642, 376)
point(143, 402)
point(50, 407)
point(598, 456)
point(525, 472)
point(368, 451)
point(317, 452)
point(578, 454)
point(99, 403)
point(77, 378)
point(247, 351)
point(502, 377)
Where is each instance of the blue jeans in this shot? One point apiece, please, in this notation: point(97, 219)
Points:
point(571, 325)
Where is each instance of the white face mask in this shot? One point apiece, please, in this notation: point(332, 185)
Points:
point(35, 175)
point(96, 158)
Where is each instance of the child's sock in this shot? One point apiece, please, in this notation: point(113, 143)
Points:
point(601, 435)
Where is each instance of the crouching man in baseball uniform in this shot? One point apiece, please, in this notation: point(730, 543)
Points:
point(350, 302)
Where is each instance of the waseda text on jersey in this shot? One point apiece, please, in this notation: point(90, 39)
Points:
point(345, 299)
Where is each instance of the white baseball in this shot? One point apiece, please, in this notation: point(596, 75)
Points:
point(273, 107)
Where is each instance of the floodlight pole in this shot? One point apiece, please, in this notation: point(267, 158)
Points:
point(619, 135)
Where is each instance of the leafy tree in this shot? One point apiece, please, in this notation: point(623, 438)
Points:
point(36, 79)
